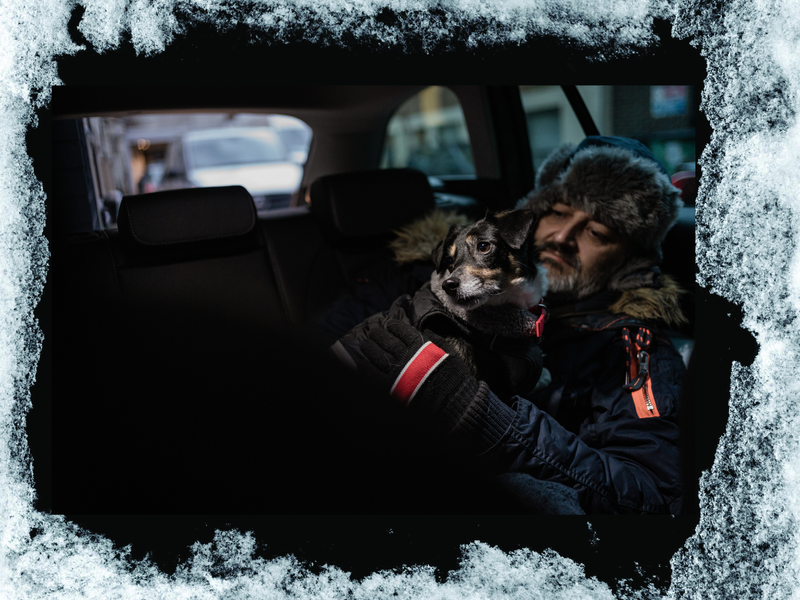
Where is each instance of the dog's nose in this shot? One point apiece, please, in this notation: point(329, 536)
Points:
point(451, 285)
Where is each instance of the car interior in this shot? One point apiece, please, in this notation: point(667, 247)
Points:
point(186, 363)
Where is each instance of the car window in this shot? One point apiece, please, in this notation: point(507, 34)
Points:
point(428, 132)
point(661, 117)
point(145, 153)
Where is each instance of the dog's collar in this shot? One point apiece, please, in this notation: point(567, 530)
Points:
point(541, 314)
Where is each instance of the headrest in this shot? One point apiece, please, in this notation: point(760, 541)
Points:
point(370, 203)
point(188, 223)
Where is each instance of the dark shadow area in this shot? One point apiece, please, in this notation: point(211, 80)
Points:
point(207, 54)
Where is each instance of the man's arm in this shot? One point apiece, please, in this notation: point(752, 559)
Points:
point(625, 464)
point(624, 455)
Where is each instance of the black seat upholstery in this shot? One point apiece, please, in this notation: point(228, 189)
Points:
point(368, 204)
point(359, 211)
point(195, 253)
point(166, 333)
point(321, 253)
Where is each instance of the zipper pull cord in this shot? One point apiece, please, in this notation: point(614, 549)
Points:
point(644, 369)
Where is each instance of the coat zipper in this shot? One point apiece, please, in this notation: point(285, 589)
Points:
point(647, 399)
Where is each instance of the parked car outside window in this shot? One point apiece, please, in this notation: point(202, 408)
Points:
point(253, 157)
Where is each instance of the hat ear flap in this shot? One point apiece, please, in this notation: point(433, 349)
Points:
point(515, 226)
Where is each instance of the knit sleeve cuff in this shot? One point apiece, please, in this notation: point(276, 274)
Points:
point(480, 423)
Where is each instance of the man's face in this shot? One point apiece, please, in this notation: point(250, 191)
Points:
point(580, 253)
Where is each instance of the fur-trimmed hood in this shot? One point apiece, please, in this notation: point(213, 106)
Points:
point(416, 241)
point(661, 303)
point(647, 295)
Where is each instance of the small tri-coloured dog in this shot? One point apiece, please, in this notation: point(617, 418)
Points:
point(487, 277)
point(484, 298)
point(488, 263)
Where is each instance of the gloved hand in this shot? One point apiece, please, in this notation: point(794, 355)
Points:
point(417, 366)
point(436, 385)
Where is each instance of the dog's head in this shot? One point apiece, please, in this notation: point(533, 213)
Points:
point(489, 262)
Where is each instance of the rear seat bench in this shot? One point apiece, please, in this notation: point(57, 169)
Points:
point(173, 329)
point(201, 257)
point(195, 269)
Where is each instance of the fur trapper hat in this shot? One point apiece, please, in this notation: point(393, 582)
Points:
point(616, 180)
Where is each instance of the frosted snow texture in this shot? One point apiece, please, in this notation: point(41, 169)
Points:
point(748, 226)
point(70, 563)
point(746, 545)
point(153, 23)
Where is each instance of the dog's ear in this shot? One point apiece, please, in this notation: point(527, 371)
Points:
point(514, 226)
point(436, 255)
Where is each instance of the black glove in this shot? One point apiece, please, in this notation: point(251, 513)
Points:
point(417, 366)
point(436, 385)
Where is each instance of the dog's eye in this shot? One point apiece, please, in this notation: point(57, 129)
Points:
point(448, 262)
point(484, 247)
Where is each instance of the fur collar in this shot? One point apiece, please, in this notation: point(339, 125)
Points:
point(660, 303)
point(416, 241)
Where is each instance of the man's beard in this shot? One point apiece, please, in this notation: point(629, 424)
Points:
point(575, 285)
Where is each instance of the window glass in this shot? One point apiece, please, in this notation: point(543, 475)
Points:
point(146, 153)
point(543, 128)
point(661, 117)
point(428, 132)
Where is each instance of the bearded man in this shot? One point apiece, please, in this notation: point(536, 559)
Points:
point(600, 433)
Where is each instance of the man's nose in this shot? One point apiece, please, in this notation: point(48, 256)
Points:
point(567, 233)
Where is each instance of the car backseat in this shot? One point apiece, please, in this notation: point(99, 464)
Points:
point(192, 282)
point(198, 252)
point(318, 253)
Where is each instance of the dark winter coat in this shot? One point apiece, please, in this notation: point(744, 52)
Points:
point(586, 431)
